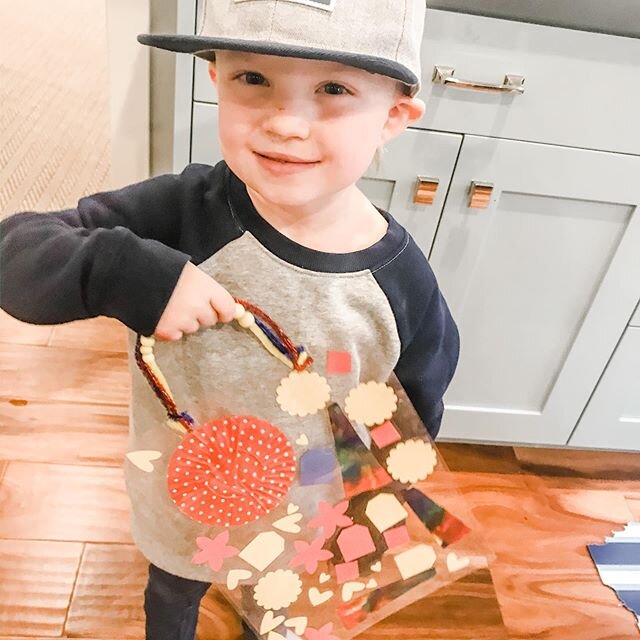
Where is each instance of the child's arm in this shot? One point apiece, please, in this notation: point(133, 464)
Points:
point(427, 364)
point(116, 254)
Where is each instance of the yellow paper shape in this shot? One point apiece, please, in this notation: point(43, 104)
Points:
point(371, 403)
point(270, 622)
point(317, 597)
point(303, 393)
point(278, 589)
point(263, 550)
point(415, 560)
point(384, 511)
point(411, 461)
point(299, 625)
point(235, 575)
point(454, 563)
point(142, 459)
point(349, 588)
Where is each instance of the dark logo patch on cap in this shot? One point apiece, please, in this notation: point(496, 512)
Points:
point(327, 5)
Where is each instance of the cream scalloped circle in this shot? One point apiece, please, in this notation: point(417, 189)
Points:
point(371, 403)
point(411, 461)
point(278, 589)
point(303, 393)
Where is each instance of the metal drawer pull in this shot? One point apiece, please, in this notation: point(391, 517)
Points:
point(511, 83)
point(425, 190)
point(480, 194)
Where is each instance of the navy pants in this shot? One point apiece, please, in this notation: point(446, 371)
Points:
point(171, 606)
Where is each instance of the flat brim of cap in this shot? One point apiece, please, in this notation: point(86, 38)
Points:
point(205, 46)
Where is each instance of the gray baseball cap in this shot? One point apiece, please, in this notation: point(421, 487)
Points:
point(381, 36)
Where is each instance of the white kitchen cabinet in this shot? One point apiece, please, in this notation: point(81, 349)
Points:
point(635, 321)
point(612, 417)
point(542, 283)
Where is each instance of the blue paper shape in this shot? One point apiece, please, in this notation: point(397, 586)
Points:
point(317, 466)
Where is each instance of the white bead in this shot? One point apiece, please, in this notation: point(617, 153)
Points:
point(239, 311)
point(146, 349)
point(148, 357)
point(147, 341)
point(246, 320)
point(302, 357)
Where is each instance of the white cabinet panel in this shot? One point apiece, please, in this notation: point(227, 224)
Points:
point(612, 417)
point(581, 89)
point(635, 321)
point(542, 284)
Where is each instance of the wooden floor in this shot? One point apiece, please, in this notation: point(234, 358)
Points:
point(68, 567)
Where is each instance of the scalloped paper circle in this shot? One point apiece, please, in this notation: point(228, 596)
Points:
point(231, 471)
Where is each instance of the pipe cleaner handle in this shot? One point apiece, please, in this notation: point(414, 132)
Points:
point(248, 316)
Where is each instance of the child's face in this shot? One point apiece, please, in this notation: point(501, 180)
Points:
point(328, 114)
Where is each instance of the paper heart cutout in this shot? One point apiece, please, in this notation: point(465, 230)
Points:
point(299, 625)
point(376, 566)
point(288, 523)
point(316, 597)
point(349, 588)
point(275, 636)
point(292, 508)
point(142, 459)
point(454, 563)
point(235, 575)
point(372, 584)
point(324, 577)
point(303, 441)
point(270, 622)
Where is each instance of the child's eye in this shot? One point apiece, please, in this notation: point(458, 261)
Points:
point(336, 89)
point(252, 77)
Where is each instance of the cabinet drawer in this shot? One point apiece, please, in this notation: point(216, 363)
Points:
point(612, 417)
point(581, 88)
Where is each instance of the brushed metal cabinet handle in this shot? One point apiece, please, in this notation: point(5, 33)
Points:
point(511, 84)
point(425, 191)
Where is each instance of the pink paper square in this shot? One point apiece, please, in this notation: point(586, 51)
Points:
point(347, 571)
point(355, 542)
point(338, 362)
point(396, 537)
point(385, 434)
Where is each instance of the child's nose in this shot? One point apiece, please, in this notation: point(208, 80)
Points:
point(288, 122)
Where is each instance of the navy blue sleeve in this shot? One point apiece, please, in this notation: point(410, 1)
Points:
point(428, 362)
point(429, 338)
point(118, 254)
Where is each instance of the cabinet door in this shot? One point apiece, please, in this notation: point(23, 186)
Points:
point(392, 186)
point(612, 417)
point(542, 283)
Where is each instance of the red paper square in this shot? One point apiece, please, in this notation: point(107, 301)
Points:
point(396, 537)
point(385, 434)
point(347, 571)
point(338, 362)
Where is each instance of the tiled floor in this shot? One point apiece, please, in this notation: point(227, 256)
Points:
point(68, 567)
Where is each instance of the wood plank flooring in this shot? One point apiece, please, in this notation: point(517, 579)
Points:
point(68, 566)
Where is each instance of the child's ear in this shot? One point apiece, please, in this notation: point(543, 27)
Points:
point(212, 72)
point(404, 111)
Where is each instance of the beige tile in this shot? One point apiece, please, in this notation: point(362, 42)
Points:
point(36, 582)
point(63, 433)
point(63, 375)
point(109, 595)
point(64, 502)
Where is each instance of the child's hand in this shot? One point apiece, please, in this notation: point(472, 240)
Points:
point(197, 301)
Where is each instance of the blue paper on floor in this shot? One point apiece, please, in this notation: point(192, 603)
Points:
point(618, 563)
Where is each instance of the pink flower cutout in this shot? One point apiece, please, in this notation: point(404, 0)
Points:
point(310, 554)
point(215, 551)
point(331, 517)
point(324, 633)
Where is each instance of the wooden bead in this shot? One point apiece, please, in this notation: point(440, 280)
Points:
point(246, 320)
point(302, 357)
point(147, 341)
point(146, 349)
point(239, 311)
point(148, 357)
